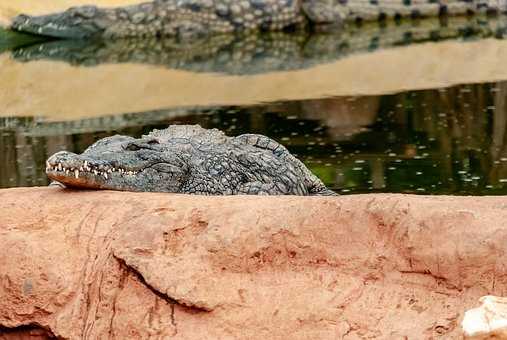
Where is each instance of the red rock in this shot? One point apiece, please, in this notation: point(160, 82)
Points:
point(102, 264)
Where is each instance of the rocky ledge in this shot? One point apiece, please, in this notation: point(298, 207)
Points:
point(100, 264)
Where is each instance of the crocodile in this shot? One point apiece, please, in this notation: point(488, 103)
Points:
point(187, 159)
point(198, 18)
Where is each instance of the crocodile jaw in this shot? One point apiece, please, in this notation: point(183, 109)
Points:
point(71, 24)
point(74, 171)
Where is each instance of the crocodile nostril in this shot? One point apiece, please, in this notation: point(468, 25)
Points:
point(20, 20)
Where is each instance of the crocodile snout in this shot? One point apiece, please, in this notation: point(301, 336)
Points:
point(63, 158)
point(19, 22)
point(68, 25)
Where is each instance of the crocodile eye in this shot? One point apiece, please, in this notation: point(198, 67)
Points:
point(132, 147)
point(153, 141)
point(85, 12)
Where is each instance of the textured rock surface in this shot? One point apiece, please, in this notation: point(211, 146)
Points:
point(133, 265)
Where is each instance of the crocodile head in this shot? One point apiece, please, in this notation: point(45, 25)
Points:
point(74, 23)
point(132, 21)
point(121, 163)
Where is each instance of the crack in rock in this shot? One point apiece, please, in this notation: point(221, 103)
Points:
point(160, 294)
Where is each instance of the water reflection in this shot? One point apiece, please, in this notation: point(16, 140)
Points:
point(237, 54)
point(13, 40)
point(450, 140)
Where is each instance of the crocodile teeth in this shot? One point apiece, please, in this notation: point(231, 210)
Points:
point(86, 167)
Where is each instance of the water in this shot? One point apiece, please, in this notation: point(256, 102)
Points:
point(442, 140)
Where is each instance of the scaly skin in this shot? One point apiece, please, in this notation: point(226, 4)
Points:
point(191, 18)
point(187, 159)
point(182, 18)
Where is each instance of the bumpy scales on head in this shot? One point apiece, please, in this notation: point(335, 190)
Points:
point(187, 159)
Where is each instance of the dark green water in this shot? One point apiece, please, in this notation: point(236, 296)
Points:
point(437, 141)
point(447, 141)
